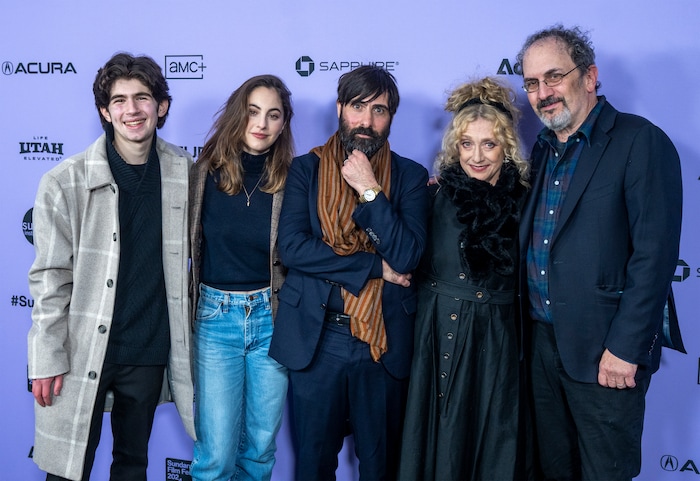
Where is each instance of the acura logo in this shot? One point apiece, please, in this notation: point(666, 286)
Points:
point(669, 463)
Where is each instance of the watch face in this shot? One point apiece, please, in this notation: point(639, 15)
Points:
point(369, 195)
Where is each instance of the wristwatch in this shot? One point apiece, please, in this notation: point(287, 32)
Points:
point(370, 194)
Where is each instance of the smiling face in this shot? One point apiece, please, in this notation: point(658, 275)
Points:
point(563, 107)
point(480, 154)
point(265, 120)
point(133, 112)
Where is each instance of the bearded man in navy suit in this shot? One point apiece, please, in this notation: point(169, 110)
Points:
point(351, 231)
point(599, 247)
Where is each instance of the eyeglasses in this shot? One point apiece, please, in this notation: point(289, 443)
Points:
point(550, 80)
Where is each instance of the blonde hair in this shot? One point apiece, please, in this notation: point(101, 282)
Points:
point(487, 99)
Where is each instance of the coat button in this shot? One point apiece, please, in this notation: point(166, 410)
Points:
point(102, 329)
point(110, 283)
point(462, 275)
point(453, 317)
point(323, 306)
point(446, 355)
point(276, 263)
point(276, 291)
point(443, 374)
point(479, 295)
point(92, 375)
point(433, 284)
point(450, 335)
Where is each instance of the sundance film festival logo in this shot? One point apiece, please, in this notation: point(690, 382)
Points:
point(40, 148)
point(305, 65)
point(37, 68)
point(28, 226)
point(177, 470)
point(184, 67)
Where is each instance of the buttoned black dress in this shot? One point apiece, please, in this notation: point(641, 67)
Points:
point(463, 402)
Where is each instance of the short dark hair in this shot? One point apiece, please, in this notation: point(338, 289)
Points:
point(577, 43)
point(368, 81)
point(127, 66)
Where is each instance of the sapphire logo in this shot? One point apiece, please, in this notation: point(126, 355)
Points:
point(37, 68)
point(305, 66)
point(184, 67)
point(669, 463)
point(685, 271)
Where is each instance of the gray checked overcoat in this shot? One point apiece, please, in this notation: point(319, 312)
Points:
point(73, 283)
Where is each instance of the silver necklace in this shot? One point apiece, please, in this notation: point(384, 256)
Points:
point(247, 195)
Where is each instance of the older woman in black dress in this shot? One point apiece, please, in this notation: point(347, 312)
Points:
point(462, 420)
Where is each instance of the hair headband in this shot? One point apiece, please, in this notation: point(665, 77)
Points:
point(477, 100)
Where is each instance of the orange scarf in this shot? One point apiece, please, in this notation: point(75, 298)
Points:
point(336, 203)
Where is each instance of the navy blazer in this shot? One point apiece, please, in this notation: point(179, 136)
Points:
point(397, 227)
point(615, 247)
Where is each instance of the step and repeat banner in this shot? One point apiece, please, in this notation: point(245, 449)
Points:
point(648, 56)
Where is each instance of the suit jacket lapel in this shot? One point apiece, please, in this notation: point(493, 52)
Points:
point(586, 167)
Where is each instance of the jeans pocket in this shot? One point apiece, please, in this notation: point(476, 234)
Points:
point(208, 308)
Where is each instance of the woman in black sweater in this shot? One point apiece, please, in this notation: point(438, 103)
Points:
point(236, 191)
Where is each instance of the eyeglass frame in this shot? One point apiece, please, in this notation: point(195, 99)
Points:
point(556, 77)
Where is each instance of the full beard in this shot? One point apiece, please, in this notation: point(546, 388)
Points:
point(369, 146)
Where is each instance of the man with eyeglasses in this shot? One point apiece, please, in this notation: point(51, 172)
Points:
point(599, 246)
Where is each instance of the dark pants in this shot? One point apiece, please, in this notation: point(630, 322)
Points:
point(342, 390)
point(136, 392)
point(584, 431)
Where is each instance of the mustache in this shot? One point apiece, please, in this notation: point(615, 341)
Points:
point(365, 131)
point(548, 101)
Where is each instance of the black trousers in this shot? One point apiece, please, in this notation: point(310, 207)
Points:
point(344, 391)
point(584, 431)
point(136, 392)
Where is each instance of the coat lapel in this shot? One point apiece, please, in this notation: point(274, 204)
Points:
point(586, 167)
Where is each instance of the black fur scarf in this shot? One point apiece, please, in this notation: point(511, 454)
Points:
point(490, 214)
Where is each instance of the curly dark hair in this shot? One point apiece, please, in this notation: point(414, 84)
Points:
point(577, 42)
point(127, 66)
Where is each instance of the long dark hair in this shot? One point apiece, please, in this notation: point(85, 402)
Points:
point(223, 149)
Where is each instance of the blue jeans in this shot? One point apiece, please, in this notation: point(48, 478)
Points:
point(239, 390)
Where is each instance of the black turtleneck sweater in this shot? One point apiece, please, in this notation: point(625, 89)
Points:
point(140, 333)
point(236, 236)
